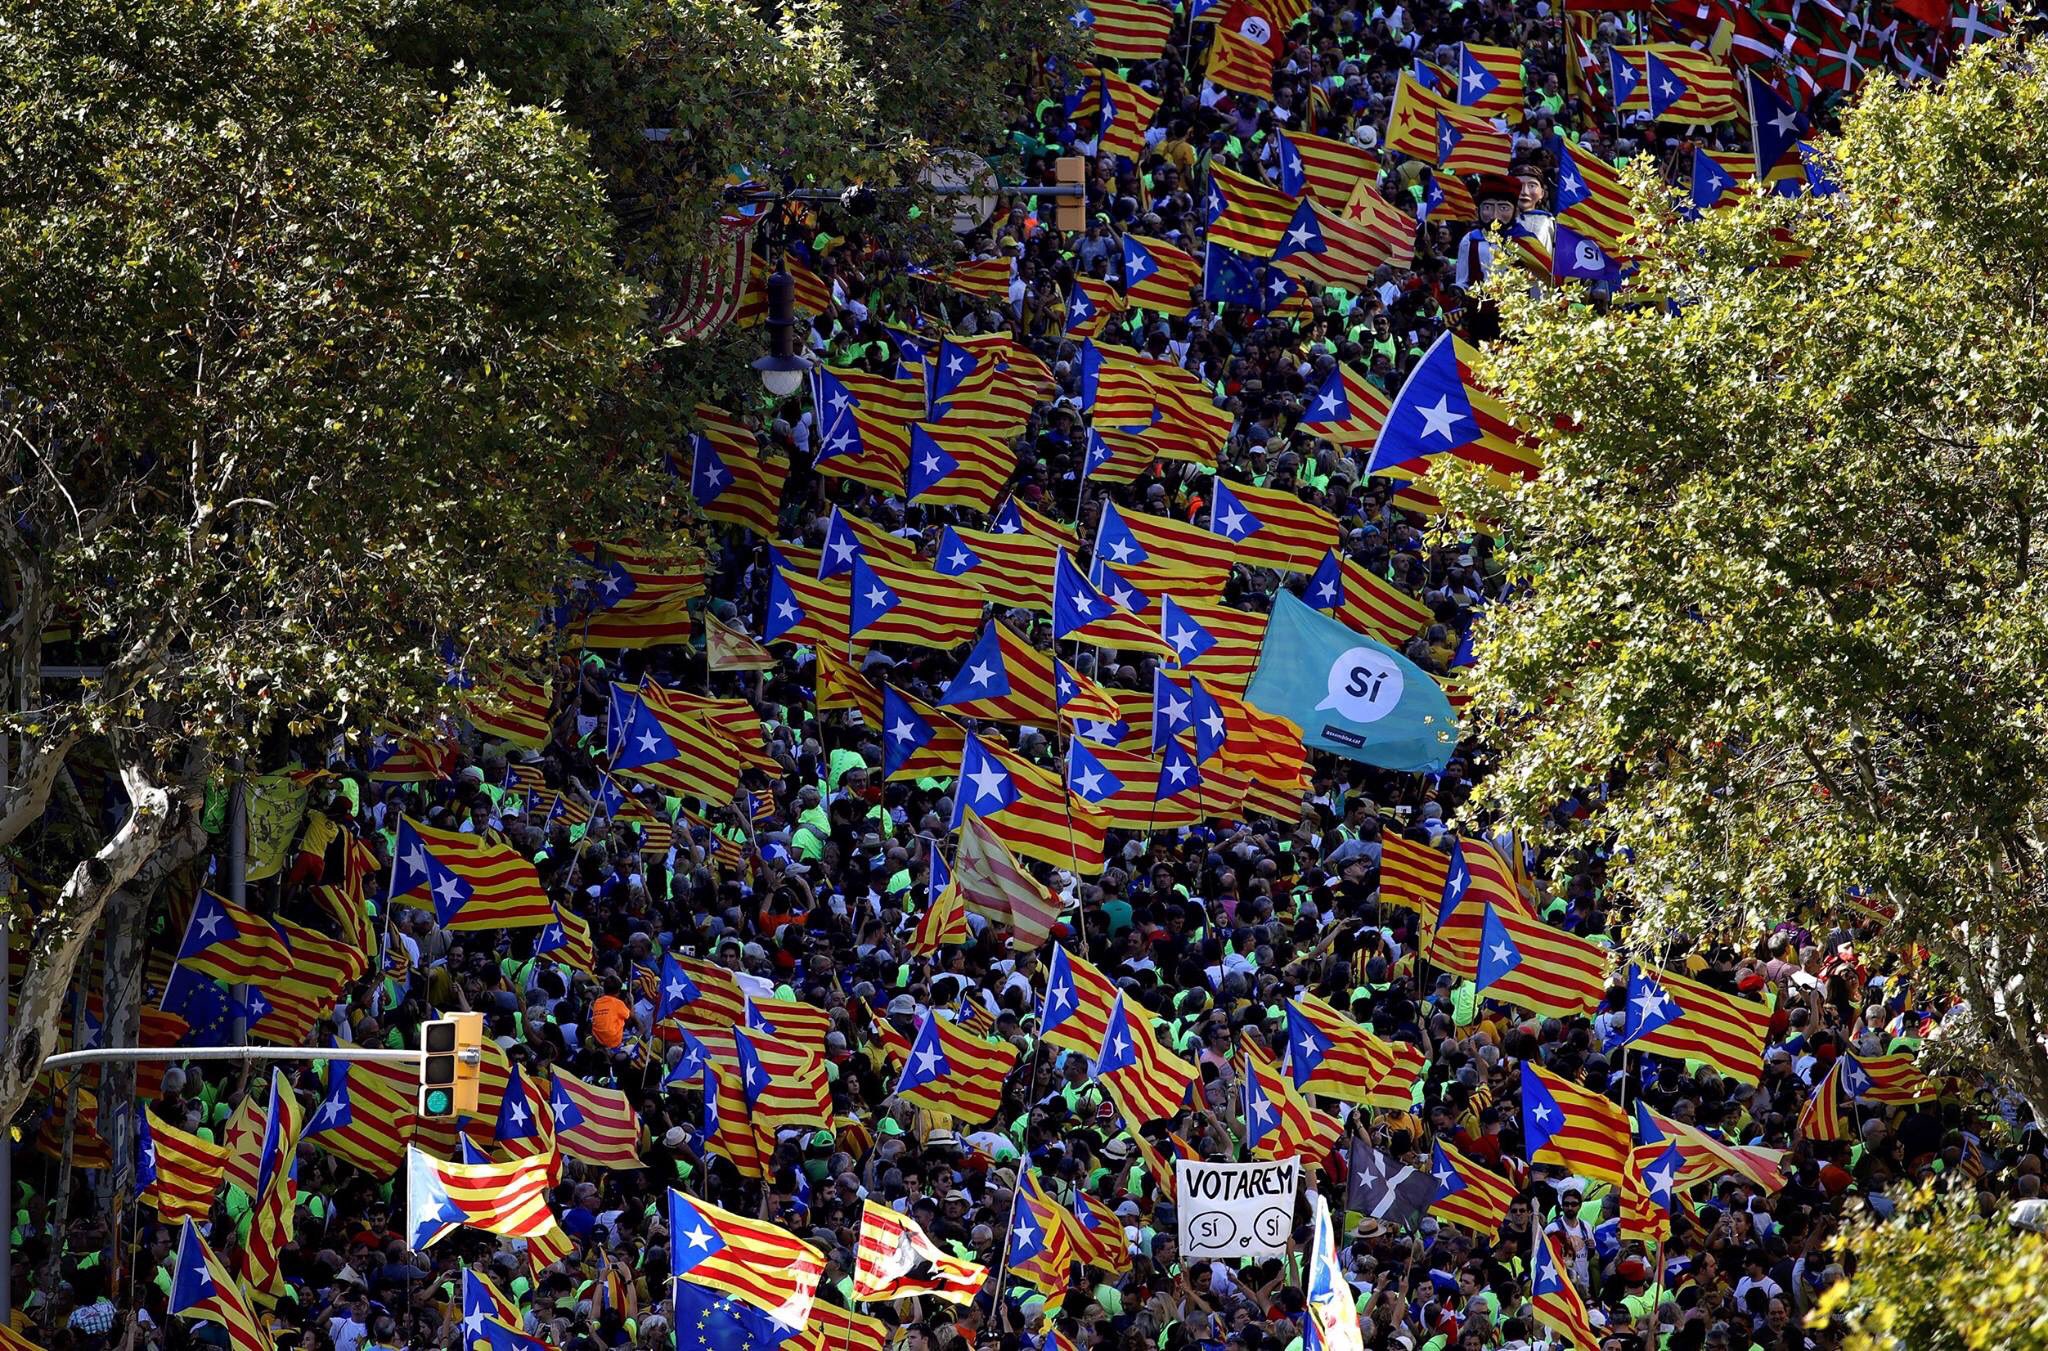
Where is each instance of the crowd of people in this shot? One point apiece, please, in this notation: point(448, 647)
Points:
point(809, 887)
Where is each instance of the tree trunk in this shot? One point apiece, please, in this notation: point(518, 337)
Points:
point(158, 812)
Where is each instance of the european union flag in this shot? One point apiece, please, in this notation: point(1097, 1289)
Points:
point(1349, 694)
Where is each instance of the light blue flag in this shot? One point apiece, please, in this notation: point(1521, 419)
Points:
point(1350, 695)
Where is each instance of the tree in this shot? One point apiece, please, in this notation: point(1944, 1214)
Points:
point(1781, 564)
point(1941, 1276)
point(309, 372)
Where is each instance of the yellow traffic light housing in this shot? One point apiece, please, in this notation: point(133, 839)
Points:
point(1071, 213)
point(451, 1065)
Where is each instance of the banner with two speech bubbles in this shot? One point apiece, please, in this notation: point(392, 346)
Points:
point(1349, 694)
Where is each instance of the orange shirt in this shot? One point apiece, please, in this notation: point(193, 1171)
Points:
point(608, 1020)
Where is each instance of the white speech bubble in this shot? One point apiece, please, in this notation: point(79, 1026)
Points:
point(1363, 685)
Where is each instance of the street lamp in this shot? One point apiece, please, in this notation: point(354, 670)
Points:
point(782, 371)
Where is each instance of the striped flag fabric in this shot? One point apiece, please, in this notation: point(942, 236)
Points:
point(893, 602)
point(597, 1125)
point(510, 706)
point(729, 648)
point(1776, 130)
point(1124, 786)
point(993, 884)
point(368, 1115)
point(700, 994)
point(1239, 64)
point(397, 758)
point(1677, 1016)
point(732, 478)
point(1323, 244)
point(1365, 602)
point(840, 685)
point(656, 737)
point(1098, 1235)
point(943, 922)
point(1467, 1194)
point(1073, 1013)
point(480, 1295)
point(1592, 199)
point(1438, 132)
point(1270, 527)
point(1080, 698)
point(804, 610)
point(275, 1213)
point(229, 942)
point(1175, 548)
point(202, 1287)
point(918, 741)
point(1554, 1299)
point(1158, 275)
point(1148, 1081)
point(1330, 1056)
point(1126, 31)
point(788, 1018)
point(177, 1172)
point(957, 467)
point(243, 1140)
point(1117, 457)
point(1091, 304)
point(1475, 877)
point(1671, 81)
point(1396, 1091)
point(1440, 410)
point(759, 1263)
point(1323, 167)
point(812, 297)
point(1127, 112)
point(1020, 518)
point(1279, 1123)
point(988, 278)
point(1889, 1080)
point(1018, 804)
point(848, 536)
point(728, 1129)
point(1537, 966)
point(509, 1199)
point(626, 571)
point(1824, 1114)
point(1245, 214)
point(1013, 570)
point(835, 1329)
point(782, 1080)
point(1082, 614)
point(469, 882)
point(1490, 81)
point(1571, 1126)
point(1003, 679)
point(949, 1071)
point(1348, 410)
point(1215, 641)
point(895, 1259)
point(1039, 1248)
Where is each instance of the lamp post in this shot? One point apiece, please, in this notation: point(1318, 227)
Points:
point(781, 370)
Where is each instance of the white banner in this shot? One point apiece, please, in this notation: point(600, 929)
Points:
point(1236, 1209)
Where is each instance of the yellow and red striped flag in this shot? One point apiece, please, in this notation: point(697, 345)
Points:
point(1239, 64)
point(788, 1018)
point(1018, 804)
point(1013, 570)
point(1220, 643)
point(1396, 1090)
point(1490, 81)
point(1890, 1080)
point(1476, 877)
point(710, 998)
point(202, 1287)
point(1592, 199)
point(813, 296)
point(958, 466)
point(949, 1071)
point(1158, 275)
point(1555, 1300)
point(1345, 245)
point(1244, 213)
point(1438, 132)
point(243, 1139)
point(177, 1172)
point(994, 884)
point(1148, 1081)
point(782, 1080)
point(1123, 785)
point(509, 1199)
point(732, 478)
point(368, 1115)
point(1126, 31)
point(1571, 1126)
point(513, 707)
point(1467, 1195)
point(918, 741)
point(229, 942)
point(1002, 680)
point(1073, 1013)
point(835, 1329)
point(1132, 538)
point(1537, 966)
point(805, 610)
point(1091, 304)
point(1675, 1015)
point(595, 1124)
point(1823, 1116)
point(1329, 1055)
point(841, 684)
point(664, 737)
point(728, 1128)
point(1098, 1235)
point(1128, 111)
point(469, 882)
point(1039, 1248)
point(1270, 527)
point(944, 921)
point(894, 1259)
point(910, 604)
point(277, 1195)
point(727, 648)
point(1674, 82)
point(988, 278)
point(1278, 1122)
point(395, 757)
point(1365, 602)
point(763, 1264)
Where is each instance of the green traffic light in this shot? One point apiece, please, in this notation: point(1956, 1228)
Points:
point(439, 1102)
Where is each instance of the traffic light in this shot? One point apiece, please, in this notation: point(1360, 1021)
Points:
point(1071, 213)
point(451, 1066)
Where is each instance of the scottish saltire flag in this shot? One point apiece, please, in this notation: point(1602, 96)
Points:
point(1349, 694)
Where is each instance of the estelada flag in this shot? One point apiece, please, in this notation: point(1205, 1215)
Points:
point(1239, 64)
point(468, 882)
point(1571, 1126)
point(1329, 1055)
point(895, 1259)
point(177, 1172)
point(951, 1072)
point(1013, 570)
point(1148, 1081)
point(1467, 1194)
point(1269, 527)
point(727, 648)
point(763, 1264)
point(1438, 132)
